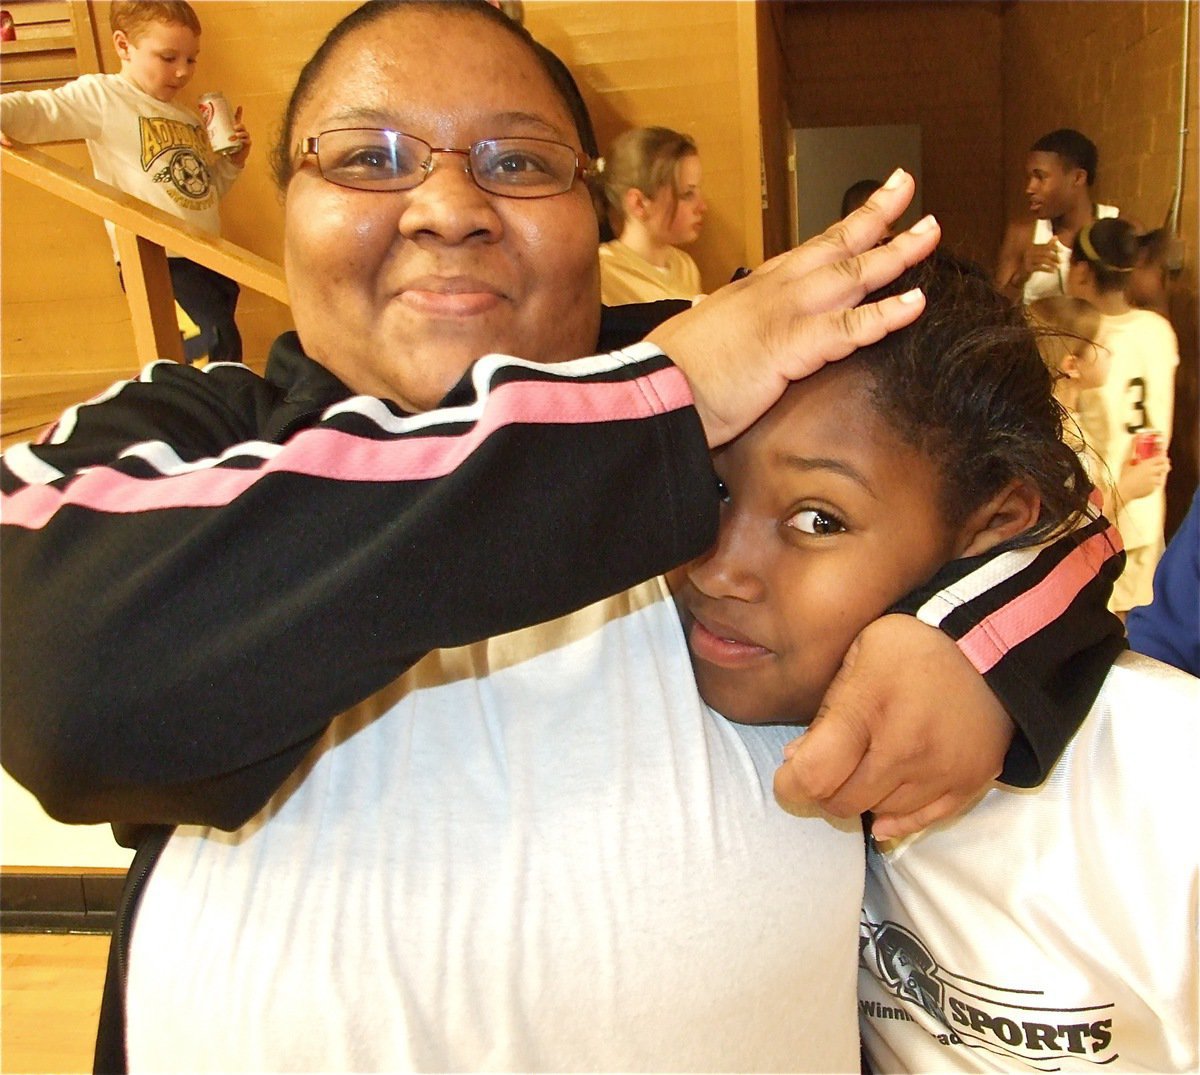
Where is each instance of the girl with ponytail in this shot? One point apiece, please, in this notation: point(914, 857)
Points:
point(1138, 395)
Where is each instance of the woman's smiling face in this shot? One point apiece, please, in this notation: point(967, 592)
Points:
point(831, 517)
point(398, 292)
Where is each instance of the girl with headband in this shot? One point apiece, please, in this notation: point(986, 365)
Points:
point(1138, 397)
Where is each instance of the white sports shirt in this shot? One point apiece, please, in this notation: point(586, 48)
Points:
point(1052, 928)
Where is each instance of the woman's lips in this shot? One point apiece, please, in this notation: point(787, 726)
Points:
point(716, 646)
point(459, 297)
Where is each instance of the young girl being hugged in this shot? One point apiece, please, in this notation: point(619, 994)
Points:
point(1138, 395)
point(1042, 929)
point(1067, 330)
point(652, 186)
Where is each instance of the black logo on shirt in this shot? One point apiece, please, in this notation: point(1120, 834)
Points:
point(1011, 1022)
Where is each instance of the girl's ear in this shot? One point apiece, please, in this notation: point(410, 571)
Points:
point(1010, 512)
point(635, 204)
point(1070, 366)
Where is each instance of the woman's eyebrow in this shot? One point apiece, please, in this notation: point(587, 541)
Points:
point(808, 463)
point(370, 117)
point(526, 119)
point(502, 121)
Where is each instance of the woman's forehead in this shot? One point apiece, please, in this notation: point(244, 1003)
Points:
point(435, 73)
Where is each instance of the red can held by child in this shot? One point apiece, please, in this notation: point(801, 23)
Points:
point(1147, 443)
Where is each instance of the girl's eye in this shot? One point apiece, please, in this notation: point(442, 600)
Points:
point(815, 521)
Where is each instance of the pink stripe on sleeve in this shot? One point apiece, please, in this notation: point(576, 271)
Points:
point(322, 452)
point(1023, 617)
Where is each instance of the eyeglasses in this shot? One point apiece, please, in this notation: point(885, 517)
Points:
point(367, 158)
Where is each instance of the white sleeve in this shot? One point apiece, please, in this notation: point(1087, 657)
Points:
point(224, 173)
point(75, 110)
point(1160, 376)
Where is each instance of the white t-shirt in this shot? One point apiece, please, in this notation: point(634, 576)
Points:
point(542, 852)
point(155, 150)
point(1041, 284)
point(1053, 928)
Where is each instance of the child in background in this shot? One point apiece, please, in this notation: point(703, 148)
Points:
point(1067, 329)
point(1139, 393)
point(652, 185)
point(1049, 928)
point(144, 144)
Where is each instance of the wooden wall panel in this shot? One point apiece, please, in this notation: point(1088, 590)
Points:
point(674, 65)
point(65, 325)
point(776, 128)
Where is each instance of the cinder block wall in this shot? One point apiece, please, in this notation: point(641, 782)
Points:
point(935, 64)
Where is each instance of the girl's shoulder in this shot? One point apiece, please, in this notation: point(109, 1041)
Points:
point(1138, 323)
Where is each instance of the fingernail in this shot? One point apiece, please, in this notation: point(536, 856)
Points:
point(926, 223)
point(894, 180)
point(911, 297)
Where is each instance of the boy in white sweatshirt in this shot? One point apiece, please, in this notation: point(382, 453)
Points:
point(143, 143)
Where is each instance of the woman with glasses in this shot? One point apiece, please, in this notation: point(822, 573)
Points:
point(320, 643)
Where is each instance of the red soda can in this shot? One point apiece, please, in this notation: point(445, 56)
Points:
point(218, 121)
point(1147, 443)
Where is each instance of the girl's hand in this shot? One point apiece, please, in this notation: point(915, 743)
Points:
point(1140, 478)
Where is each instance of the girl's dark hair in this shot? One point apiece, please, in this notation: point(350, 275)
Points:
point(282, 154)
point(1112, 249)
point(965, 384)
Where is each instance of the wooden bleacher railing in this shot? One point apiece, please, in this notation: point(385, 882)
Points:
point(144, 234)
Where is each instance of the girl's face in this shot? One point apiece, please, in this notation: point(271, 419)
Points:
point(1093, 363)
point(677, 220)
point(399, 292)
point(162, 60)
point(831, 518)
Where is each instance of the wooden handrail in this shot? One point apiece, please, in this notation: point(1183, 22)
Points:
point(144, 234)
point(148, 221)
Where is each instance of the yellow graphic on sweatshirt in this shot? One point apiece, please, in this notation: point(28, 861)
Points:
point(181, 149)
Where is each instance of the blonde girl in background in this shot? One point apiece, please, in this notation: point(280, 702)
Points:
point(1139, 393)
point(1067, 329)
point(652, 186)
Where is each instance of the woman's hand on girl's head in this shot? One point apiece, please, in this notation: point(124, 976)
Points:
point(746, 342)
point(908, 730)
